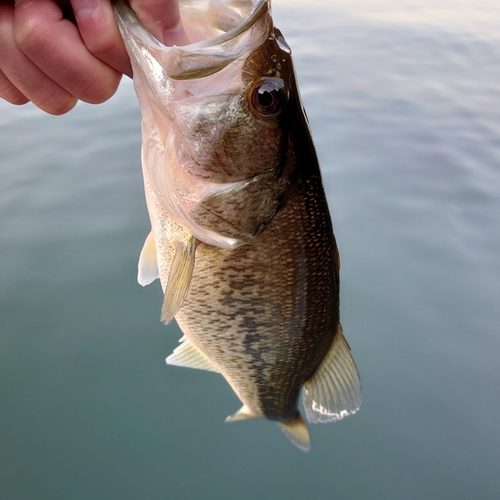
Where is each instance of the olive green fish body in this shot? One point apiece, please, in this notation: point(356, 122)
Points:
point(266, 312)
point(241, 238)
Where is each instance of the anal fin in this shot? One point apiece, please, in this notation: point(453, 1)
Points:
point(334, 391)
point(244, 413)
point(189, 356)
point(148, 262)
point(298, 433)
point(179, 278)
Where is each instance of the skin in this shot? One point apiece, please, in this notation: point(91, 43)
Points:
point(56, 52)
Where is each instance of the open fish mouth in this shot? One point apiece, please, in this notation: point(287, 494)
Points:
point(220, 33)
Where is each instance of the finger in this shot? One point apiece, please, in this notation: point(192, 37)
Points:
point(162, 19)
point(23, 75)
point(9, 92)
point(55, 46)
point(100, 33)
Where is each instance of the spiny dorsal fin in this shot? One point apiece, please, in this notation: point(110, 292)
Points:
point(334, 391)
point(189, 356)
point(179, 279)
point(148, 262)
point(244, 413)
point(298, 433)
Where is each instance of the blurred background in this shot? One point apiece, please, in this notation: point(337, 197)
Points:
point(404, 103)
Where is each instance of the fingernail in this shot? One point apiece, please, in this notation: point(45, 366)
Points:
point(83, 9)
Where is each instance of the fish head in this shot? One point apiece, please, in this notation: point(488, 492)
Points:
point(217, 115)
point(230, 125)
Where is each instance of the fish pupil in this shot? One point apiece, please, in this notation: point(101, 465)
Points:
point(266, 97)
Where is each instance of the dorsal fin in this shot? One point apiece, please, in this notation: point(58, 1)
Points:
point(334, 391)
point(298, 433)
point(179, 278)
point(188, 355)
point(148, 262)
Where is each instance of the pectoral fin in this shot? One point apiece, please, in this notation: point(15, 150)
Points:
point(189, 356)
point(148, 262)
point(298, 433)
point(334, 391)
point(179, 278)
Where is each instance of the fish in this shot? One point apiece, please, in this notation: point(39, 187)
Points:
point(241, 234)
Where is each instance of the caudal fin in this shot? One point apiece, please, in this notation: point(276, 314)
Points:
point(298, 433)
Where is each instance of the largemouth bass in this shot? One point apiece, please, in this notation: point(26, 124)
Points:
point(241, 236)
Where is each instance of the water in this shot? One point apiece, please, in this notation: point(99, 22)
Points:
point(404, 102)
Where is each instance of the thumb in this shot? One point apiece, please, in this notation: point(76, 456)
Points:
point(162, 19)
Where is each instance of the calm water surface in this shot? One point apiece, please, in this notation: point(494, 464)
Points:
point(404, 103)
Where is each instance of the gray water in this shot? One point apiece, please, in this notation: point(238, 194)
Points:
point(404, 103)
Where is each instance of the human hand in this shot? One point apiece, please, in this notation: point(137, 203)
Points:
point(55, 52)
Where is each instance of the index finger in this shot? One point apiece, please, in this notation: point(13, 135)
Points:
point(100, 33)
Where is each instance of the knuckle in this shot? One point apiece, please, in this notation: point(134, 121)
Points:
point(100, 46)
point(30, 36)
point(99, 91)
point(18, 100)
point(13, 96)
point(5, 30)
point(54, 100)
point(59, 107)
point(10, 92)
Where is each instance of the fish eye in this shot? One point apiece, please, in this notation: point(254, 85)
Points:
point(267, 97)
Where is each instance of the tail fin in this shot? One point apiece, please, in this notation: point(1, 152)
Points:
point(298, 433)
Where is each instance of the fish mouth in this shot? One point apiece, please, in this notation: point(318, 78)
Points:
point(232, 21)
point(223, 31)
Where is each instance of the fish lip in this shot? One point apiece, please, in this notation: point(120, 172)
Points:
point(261, 7)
